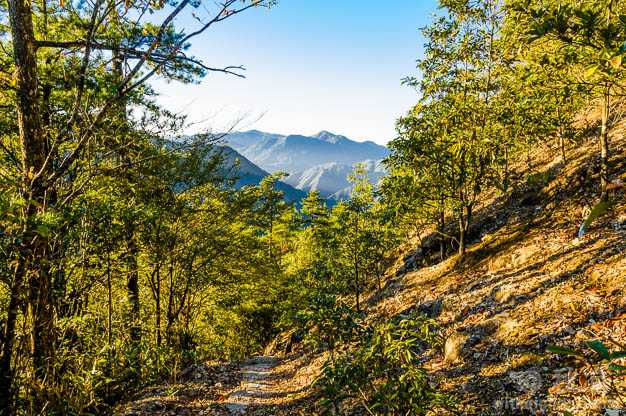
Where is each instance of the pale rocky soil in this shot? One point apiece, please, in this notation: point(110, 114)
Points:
point(527, 282)
point(259, 385)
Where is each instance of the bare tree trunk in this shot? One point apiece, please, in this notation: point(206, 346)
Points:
point(465, 217)
point(461, 236)
point(170, 306)
point(157, 305)
point(442, 242)
point(561, 137)
point(132, 251)
point(356, 285)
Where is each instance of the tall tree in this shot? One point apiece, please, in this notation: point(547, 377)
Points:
point(586, 38)
point(463, 64)
point(53, 146)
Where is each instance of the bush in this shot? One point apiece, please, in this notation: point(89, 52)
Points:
point(383, 374)
point(613, 367)
point(328, 320)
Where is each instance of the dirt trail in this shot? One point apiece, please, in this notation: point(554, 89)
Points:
point(255, 388)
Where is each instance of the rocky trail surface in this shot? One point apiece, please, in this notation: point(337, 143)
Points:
point(259, 385)
point(255, 387)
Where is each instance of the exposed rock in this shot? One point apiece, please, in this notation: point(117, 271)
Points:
point(284, 343)
point(530, 199)
point(401, 271)
point(527, 381)
point(500, 262)
point(431, 309)
point(526, 254)
point(197, 371)
point(454, 348)
point(411, 262)
point(491, 326)
point(503, 294)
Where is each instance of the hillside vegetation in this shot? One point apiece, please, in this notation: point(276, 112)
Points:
point(526, 283)
point(482, 275)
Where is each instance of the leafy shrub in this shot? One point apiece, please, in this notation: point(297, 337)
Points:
point(383, 373)
point(612, 361)
point(328, 320)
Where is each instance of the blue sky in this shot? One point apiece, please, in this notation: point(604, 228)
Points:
point(311, 66)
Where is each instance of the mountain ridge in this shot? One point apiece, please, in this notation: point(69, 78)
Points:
point(319, 162)
point(296, 153)
point(331, 179)
point(250, 174)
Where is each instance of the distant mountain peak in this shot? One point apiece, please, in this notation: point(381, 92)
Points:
point(329, 137)
point(323, 133)
point(325, 156)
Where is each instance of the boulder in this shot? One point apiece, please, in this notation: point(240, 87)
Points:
point(504, 294)
point(461, 343)
point(454, 348)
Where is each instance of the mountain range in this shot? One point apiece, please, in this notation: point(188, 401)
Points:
point(250, 174)
point(320, 162)
point(331, 179)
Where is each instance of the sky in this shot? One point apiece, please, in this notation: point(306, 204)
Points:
point(332, 65)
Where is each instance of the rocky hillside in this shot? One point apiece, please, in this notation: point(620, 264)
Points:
point(527, 282)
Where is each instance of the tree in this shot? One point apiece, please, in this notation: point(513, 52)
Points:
point(58, 130)
point(416, 186)
point(353, 238)
point(587, 39)
point(461, 70)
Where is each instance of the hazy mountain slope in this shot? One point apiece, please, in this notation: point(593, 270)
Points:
point(326, 178)
point(295, 153)
point(251, 174)
point(376, 171)
point(246, 168)
point(248, 173)
point(331, 179)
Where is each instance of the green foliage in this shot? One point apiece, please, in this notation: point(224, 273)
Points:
point(383, 372)
point(598, 210)
point(582, 42)
point(328, 321)
point(612, 362)
point(454, 145)
point(565, 351)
